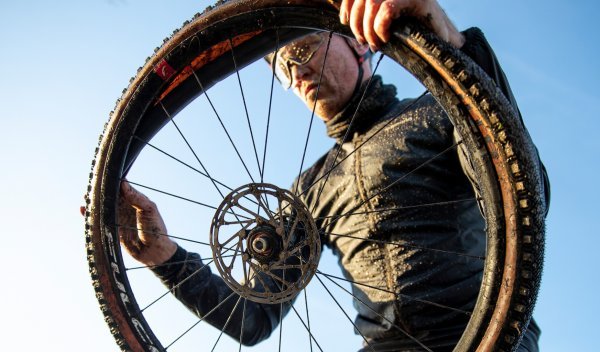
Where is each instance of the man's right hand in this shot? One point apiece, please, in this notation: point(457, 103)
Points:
point(370, 20)
point(142, 230)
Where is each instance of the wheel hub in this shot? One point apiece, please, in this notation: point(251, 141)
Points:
point(264, 244)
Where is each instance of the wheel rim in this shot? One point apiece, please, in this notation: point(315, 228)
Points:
point(122, 161)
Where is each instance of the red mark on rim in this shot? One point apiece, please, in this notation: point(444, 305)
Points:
point(164, 70)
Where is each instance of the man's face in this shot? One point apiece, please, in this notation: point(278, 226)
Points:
point(303, 65)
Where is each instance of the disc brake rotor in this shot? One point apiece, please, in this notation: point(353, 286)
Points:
point(264, 255)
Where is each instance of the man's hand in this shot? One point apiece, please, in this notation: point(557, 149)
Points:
point(370, 20)
point(142, 230)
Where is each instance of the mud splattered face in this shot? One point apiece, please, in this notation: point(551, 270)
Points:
point(299, 52)
point(299, 66)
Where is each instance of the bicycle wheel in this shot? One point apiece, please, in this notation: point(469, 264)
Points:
point(207, 55)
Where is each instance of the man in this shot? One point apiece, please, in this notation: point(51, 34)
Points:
point(421, 132)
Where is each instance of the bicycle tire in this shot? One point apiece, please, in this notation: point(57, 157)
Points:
point(503, 154)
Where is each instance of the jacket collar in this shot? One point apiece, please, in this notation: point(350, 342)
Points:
point(359, 116)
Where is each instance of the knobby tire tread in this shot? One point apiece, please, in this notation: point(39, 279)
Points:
point(516, 154)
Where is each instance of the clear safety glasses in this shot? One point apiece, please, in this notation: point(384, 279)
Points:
point(299, 53)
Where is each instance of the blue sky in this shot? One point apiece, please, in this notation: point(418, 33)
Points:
point(64, 63)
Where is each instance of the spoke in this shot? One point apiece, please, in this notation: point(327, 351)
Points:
point(364, 212)
point(265, 207)
point(280, 216)
point(245, 107)
point(227, 322)
point(260, 172)
point(290, 233)
point(237, 234)
point(192, 150)
point(281, 316)
point(255, 214)
point(177, 286)
point(170, 236)
point(223, 125)
point(245, 270)
point(256, 273)
point(397, 294)
point(299, 247)
point(311, 337)
point(171, 263)
point(189, 166)
point(312, 115)
point(242, 327)
point(343, 311)
point(201, 319)
point(286, 266)
point(239, 249)
point(363, 143)
point(269, 274)
point(408, 246)
point(172, 195)
point(385, 189)
point(380, 315)
point(307, 319)
point(242, 222)
point(339, 147)
point(187, 200)
point(182, 162)
point(274, 64)
point(161, 265)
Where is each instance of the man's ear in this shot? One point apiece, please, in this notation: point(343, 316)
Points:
point(359, 49)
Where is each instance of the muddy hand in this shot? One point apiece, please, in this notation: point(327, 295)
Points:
point(370, 20)
point(142, 230)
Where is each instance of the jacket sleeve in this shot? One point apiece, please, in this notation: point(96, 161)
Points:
point(208, 296)
point(480, 51)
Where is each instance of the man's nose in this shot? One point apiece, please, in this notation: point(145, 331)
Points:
point(299, 73)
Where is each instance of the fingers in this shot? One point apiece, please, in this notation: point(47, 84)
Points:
point(345, 9)
point(141, 228)
point(136, 198)
point(372, 37)
point(387, 12)
point(370, 20)
point(147, 217)
point(128, 230)
point(357, 13)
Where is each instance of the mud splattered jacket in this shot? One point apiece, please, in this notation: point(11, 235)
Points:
point(401, 242)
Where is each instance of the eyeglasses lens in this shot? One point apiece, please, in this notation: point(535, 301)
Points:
point(297, 53)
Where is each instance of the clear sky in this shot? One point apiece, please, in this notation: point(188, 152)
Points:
point(64, 63)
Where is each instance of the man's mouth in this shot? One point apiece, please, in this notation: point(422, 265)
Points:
point(309, 88)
